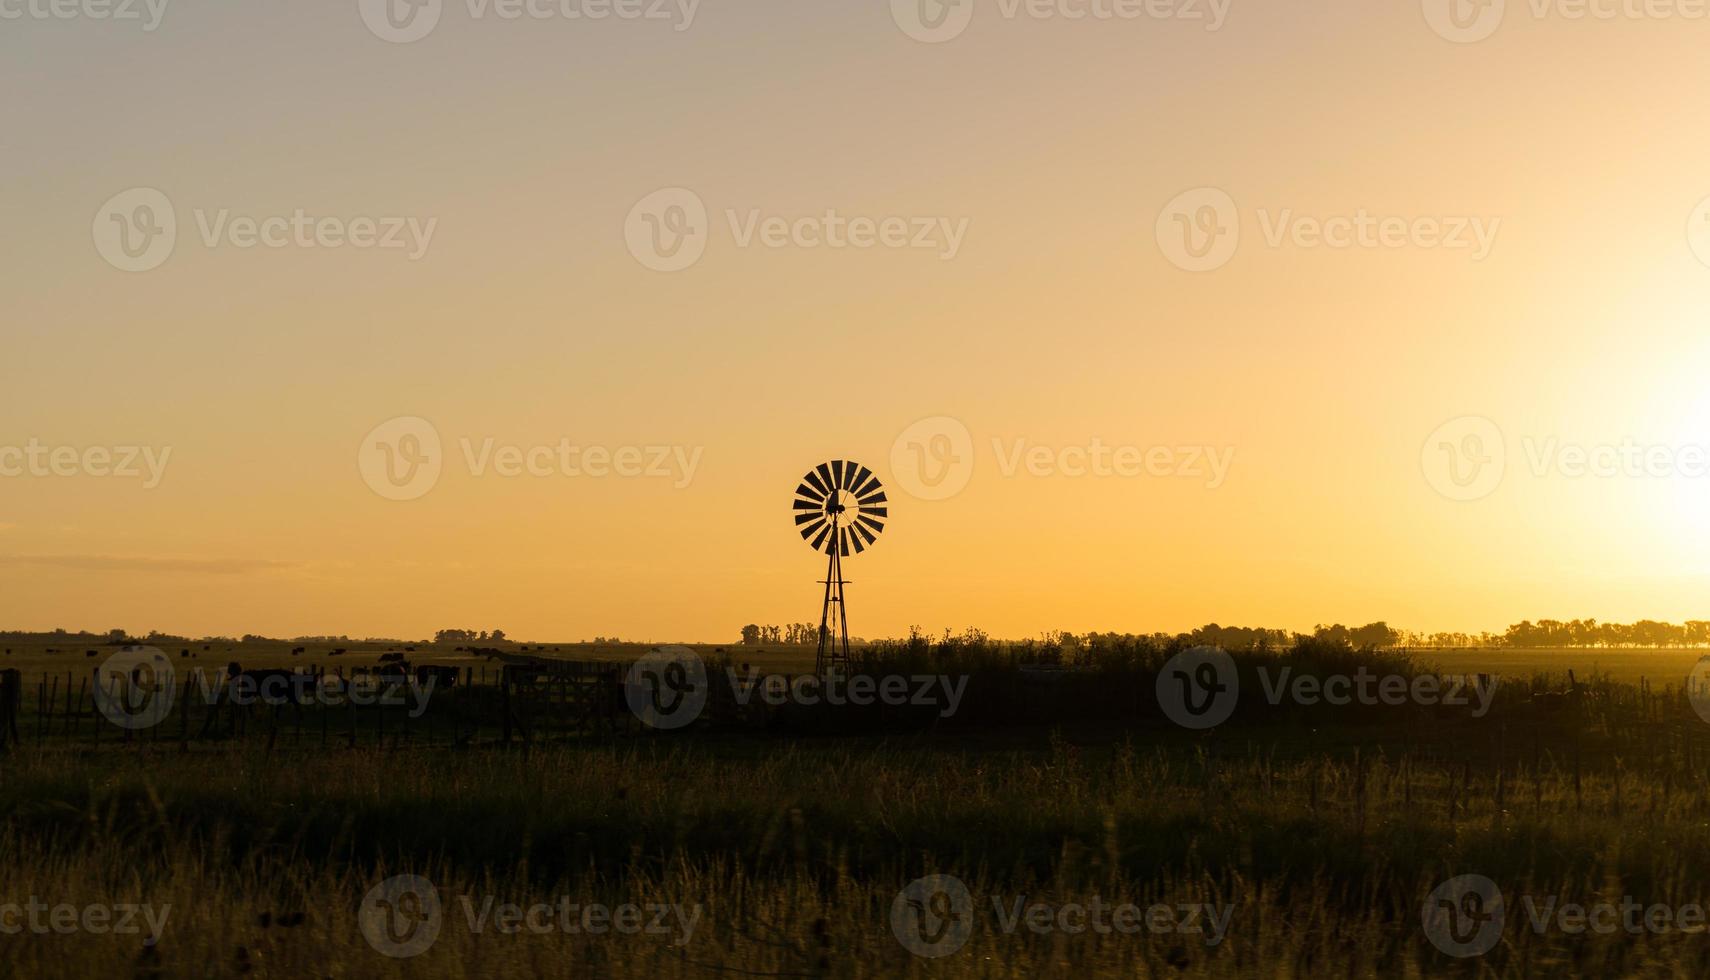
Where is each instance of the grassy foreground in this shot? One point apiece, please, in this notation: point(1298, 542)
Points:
point(792, 855)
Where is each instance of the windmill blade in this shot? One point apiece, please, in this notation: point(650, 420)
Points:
point(817, 483)
point(849, 468)
point(823, 532)
point(809, 492)
point(808, 505)
point(877, 526)
point(843, 542)
point(807, 532)
point(865, 482)
point(876, 497)
point(825, 475)
point(808, 518)
point(865, 534)
point(876, 511)
point(854, 539)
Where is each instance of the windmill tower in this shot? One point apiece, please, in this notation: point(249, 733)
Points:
point(839, 505)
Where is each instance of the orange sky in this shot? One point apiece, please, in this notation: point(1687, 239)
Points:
point(999, 229)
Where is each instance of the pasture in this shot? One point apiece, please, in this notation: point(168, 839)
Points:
point(1318, 832)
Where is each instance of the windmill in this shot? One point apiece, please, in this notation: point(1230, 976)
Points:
point(839, 505)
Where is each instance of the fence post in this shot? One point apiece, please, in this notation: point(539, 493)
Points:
point(11, 695)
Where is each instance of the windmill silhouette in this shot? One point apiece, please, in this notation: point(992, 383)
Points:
point(839, 505)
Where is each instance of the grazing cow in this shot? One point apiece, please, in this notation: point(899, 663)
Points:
point(443, 677)
point(273, 686)
point(391, 658)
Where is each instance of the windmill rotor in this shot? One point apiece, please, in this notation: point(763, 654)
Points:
point(840, 506)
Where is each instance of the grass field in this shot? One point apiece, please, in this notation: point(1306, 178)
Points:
point(1296, 845)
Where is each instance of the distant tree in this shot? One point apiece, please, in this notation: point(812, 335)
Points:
point(751, 635)
point(1375, 636)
